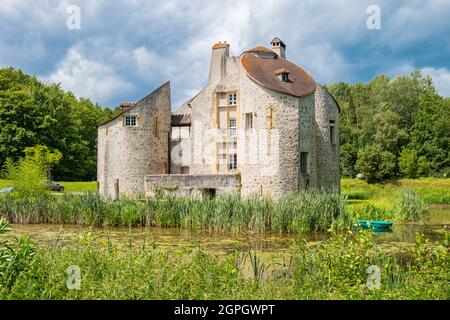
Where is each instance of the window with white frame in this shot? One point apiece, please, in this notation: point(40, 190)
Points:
point(232, 99)
point(232, 126)
point(130, 121)
point(232, 161)
point(249, 121)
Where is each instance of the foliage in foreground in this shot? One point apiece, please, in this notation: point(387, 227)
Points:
point(15, 257)
point(336, 269)
point(312, 211)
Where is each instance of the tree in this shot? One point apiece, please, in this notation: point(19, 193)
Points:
point(408, 163)
point(404, 112)
point(36, 113)
point(27, 175)
point(375, 164)
point(389, 134)
point(43, 155)
point(348, 157)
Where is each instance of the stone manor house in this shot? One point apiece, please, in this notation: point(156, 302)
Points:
point(261, 125)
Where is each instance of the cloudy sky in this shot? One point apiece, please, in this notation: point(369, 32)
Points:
point(125, 49)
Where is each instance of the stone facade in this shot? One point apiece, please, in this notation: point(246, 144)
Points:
point(192, 185)
point(280, 138)
point(128, 153)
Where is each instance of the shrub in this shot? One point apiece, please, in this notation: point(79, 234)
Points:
point(370, 212)
point(28, 176)
point(410, 206)
point(408, 163)
point(375, 164)
point(15, 258)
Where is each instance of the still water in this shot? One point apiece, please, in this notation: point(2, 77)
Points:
point(402, 235)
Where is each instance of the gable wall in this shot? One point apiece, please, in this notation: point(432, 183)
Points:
point(129, 153)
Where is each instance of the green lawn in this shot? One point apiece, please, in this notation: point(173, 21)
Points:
point(68, 186)
point(432, 190)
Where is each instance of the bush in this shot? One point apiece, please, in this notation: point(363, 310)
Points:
point(370, 212)
point(28, 176)
point(410, 207)
point(375, 164)
point(408, 163)
point(14, 258)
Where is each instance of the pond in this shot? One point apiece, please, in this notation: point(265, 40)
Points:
point(274, 244)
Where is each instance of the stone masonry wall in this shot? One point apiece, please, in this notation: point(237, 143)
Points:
point(192, 185)
point(127, 154)
point(327, 154)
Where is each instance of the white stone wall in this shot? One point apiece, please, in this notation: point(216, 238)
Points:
point(268, 158)
point(192, 185)
point(127, 154)
point(268, 155)
point(328, 176)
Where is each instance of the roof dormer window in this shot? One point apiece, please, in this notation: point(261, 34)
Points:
point(283, 75)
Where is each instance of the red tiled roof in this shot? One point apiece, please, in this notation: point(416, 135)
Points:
point(220, 45)
point(280, 71)
point(262, 69)
point(127, 104)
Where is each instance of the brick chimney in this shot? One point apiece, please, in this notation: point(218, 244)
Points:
point(126, 105)
point(218, 67)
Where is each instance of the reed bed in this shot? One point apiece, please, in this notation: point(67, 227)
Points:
point(310, 211)
point(337, 268)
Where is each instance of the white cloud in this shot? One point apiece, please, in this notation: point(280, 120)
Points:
point(125, 48)
point(324, 63)
point(87, 78)
point(441, 79)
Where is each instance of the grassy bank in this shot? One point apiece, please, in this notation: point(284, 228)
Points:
point(313, 211)
point(68, 186)
point(336, 269)
point(431, 190)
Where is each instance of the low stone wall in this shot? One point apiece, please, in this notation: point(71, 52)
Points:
point(192, 185)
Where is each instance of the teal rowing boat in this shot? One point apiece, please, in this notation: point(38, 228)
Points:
point(375, 225)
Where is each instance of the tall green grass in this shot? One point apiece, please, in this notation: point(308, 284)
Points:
point(311, 211)
point(432, 190)
point(410, 206)
point(407, 207)
point(335, 269)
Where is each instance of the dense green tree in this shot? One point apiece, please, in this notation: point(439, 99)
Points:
point(404, 112)
point(375, 164)
point(430, 134)
point(408, 163)
point(45, 156)
point(388, 133)
point(35, 113)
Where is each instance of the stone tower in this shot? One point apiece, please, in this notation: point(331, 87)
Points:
point(133, 144)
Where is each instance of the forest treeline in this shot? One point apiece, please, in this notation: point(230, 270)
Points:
point(388, 127)
point(36, 113)
point(393, 127)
